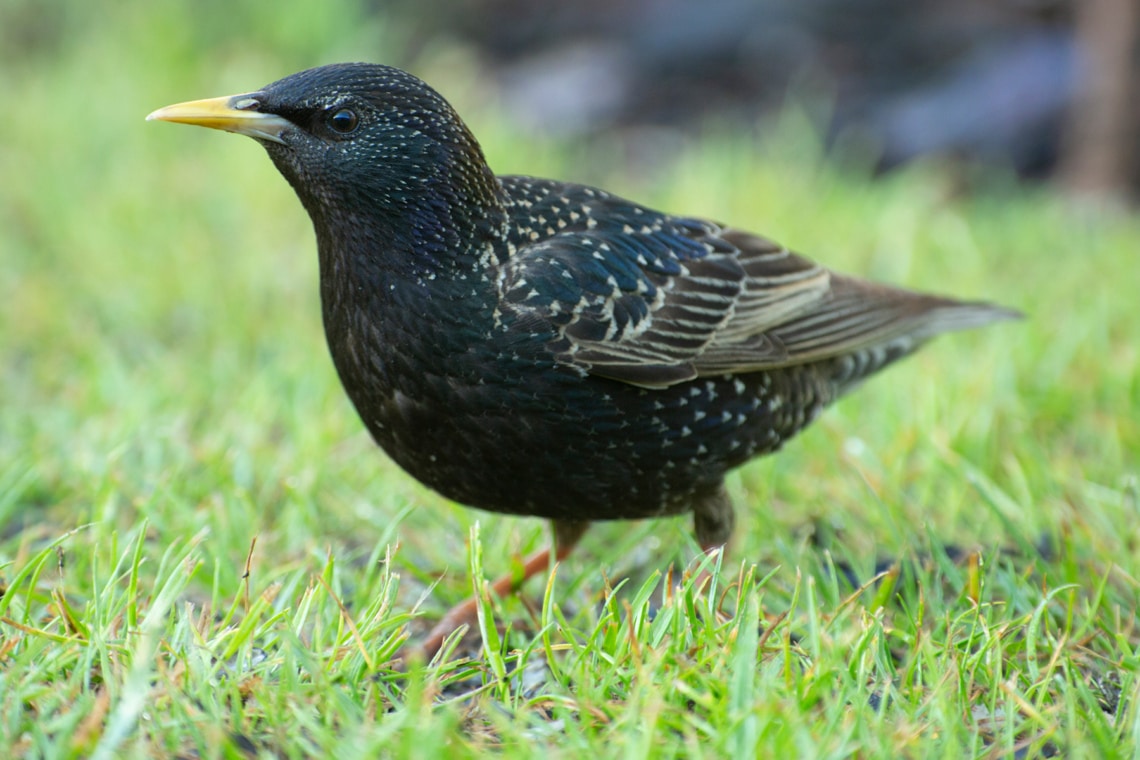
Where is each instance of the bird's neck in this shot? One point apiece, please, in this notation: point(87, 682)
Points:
point(402, 279)
point(370, 246)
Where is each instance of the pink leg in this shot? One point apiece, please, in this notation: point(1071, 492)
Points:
point(566, 535)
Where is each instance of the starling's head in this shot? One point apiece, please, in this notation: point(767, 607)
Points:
point(352, 134)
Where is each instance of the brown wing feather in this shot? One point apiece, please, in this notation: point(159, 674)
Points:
point(747, 305)
point(798, 312)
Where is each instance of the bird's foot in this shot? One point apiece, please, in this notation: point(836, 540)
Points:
point(466, 613)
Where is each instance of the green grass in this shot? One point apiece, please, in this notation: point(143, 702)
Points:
point(202, 552)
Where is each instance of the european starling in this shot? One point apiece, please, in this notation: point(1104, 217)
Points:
point(535, 347)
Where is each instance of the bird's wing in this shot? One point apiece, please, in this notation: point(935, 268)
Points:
point(685, 298)
point(646, 305)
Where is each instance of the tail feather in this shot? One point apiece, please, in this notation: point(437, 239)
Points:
point(857, 316)
point(865, 326)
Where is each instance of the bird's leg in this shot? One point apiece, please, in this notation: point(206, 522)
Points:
point(713, 520)
point(566, 535)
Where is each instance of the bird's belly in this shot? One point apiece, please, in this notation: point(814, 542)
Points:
point(562, 446)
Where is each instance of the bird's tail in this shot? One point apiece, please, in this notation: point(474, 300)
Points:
point(862, 326)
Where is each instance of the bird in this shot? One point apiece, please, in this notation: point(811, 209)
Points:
point(543, 348)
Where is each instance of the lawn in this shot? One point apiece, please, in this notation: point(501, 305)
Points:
point(203, 554)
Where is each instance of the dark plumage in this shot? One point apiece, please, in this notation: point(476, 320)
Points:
point(543, 348)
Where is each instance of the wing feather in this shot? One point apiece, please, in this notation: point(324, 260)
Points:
point(655, 306)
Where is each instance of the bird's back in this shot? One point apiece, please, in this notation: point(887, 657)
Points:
point(654, 299)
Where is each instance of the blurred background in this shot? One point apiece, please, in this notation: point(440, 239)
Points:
point(1043, 88)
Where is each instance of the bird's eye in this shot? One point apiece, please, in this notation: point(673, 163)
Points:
point(343, 121)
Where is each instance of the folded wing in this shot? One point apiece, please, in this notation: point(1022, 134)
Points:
point(688, 298)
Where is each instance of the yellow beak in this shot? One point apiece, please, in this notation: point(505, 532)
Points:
point(232, 113)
